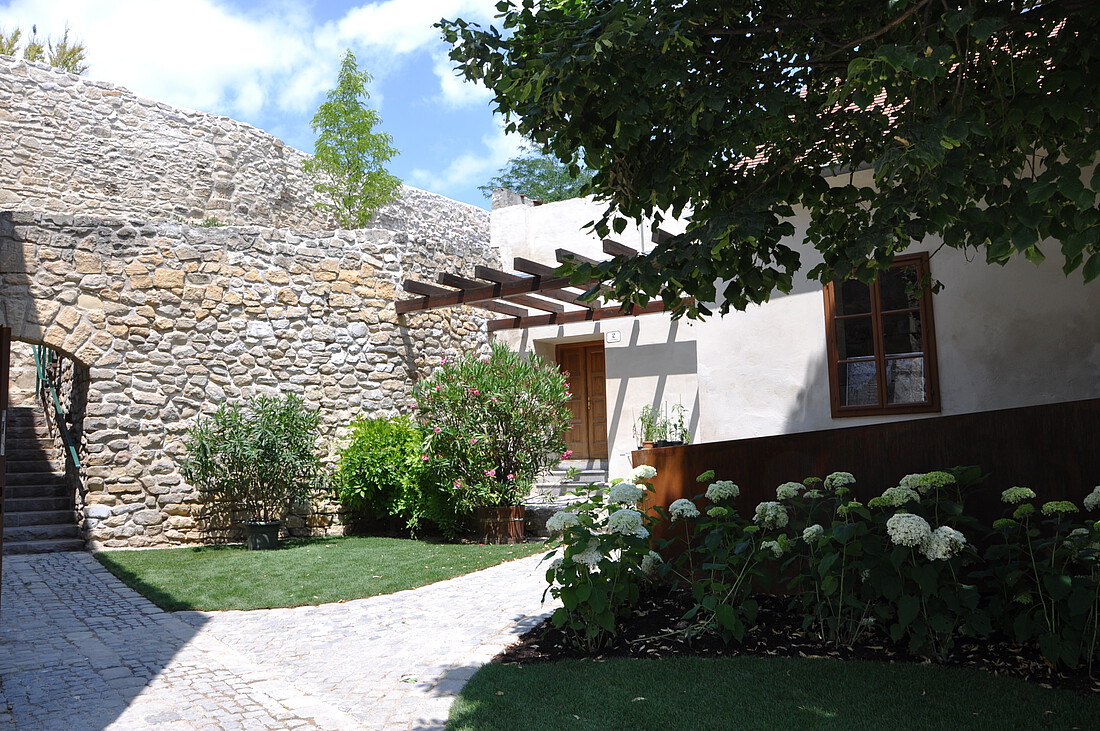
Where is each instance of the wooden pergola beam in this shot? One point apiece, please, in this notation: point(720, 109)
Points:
point(614, 248)
point(564, 255)
point(537, 303)
point(604, 313)
point(527, 285)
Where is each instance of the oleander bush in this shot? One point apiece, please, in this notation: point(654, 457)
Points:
point(491, 425)
point(912, 562)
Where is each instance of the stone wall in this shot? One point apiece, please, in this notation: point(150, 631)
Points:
point(73, 145)
point(171, 320)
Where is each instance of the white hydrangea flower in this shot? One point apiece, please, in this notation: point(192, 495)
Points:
point(626, 493)
point(907, 529)
point(625, 521)
point(561, 520)
point(1076, 538)
point(683, 508)
point(1015, 495)
point(788, 490)
point(650, 562)
point(641, 473)
point(898, 496)
point(1092, 500)
point(771, 515)
point(725, 490)
point(839, 479)
point(813, 533)
point(943, 543)
point(911, 481)
point(590, 556)
point(774, 547)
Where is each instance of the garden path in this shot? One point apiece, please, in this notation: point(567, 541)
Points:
point(81, 651)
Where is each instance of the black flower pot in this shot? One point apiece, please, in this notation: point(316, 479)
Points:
point(261, 536)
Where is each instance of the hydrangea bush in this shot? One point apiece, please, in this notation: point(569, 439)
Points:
point(602, 557)
point(911, 561)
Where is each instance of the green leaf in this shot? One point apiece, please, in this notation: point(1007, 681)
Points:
point(1092, 268)
point(908, 609)
point(986, 27)
point(1058, 586)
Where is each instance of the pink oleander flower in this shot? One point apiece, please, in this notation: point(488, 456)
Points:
point(494, 399)
point(425, 457)
point(567, 454)
point(473, 440)
point(491, 473)
point(437, 430)
point(511, 476)
point(412, 407)
point(458, 484)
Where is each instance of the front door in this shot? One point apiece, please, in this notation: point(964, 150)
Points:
point(587, 435)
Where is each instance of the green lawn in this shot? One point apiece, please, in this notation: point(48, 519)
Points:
point(697, 694)
point(300, 572)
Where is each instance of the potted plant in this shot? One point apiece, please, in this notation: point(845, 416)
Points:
point(661, 427)
point(491, 425)
point(256, 460)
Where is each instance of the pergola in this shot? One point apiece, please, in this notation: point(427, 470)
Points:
point(529, 297)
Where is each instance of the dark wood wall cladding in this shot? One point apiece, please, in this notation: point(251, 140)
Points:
point(1053, 449)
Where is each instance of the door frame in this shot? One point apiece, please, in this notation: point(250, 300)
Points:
point(584, 346)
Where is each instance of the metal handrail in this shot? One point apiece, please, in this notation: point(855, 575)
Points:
point(43, 383)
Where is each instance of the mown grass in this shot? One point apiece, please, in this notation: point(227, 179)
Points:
point(300, 572)
point(699, 694)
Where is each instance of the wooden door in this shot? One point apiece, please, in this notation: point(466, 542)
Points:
point(587, 435)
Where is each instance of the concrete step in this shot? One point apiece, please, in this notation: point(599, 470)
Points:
point(40, 517)
point(53, 545)
point(23, 533)
point(36, 504)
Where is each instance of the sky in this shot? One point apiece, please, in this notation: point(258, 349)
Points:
point(269, 63)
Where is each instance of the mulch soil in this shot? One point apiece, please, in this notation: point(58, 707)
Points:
point(656, 630)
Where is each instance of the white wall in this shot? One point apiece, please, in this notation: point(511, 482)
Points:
point(1010, 336)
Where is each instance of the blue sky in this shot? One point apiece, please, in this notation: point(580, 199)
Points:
point(270, 63)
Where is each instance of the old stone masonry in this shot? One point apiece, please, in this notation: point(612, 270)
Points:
point(103, 259)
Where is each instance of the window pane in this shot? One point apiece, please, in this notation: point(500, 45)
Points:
point(858, 384)
point(852, 298)
point(902, 333)
point(854, 338)
point(892, 288)
point(905, 381)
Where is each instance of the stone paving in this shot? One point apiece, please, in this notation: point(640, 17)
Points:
point(81, 651)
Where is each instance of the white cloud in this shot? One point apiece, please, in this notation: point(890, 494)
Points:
point(456, 91)
point(403, 26)
point(471, 168)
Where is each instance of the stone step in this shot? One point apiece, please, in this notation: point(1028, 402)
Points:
point(34, 463)
point(54, 545)
point(23, 445)
point(18, 492)
point(21, 533)
point(46, 479)
point(36, 504)
point(40, 517)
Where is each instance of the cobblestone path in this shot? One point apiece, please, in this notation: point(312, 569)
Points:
point(81, 651)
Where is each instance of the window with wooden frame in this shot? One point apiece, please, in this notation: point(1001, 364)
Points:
point(881, 342)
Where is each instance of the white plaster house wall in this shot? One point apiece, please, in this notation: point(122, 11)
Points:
point(1017, 335)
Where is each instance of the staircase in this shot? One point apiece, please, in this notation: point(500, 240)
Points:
point(39, 516)
point(553, 491)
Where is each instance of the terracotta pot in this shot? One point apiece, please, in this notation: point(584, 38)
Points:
point(500, 525)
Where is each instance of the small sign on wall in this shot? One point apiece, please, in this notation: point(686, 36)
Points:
point(613, 337)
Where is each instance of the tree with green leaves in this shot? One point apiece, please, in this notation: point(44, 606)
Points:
point(540, 176)
point(349, 157)
point(65, 54)
point(884, 123)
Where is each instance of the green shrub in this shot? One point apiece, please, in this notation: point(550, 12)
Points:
point(256, 459)
point(380, 471)
point(490, 426)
